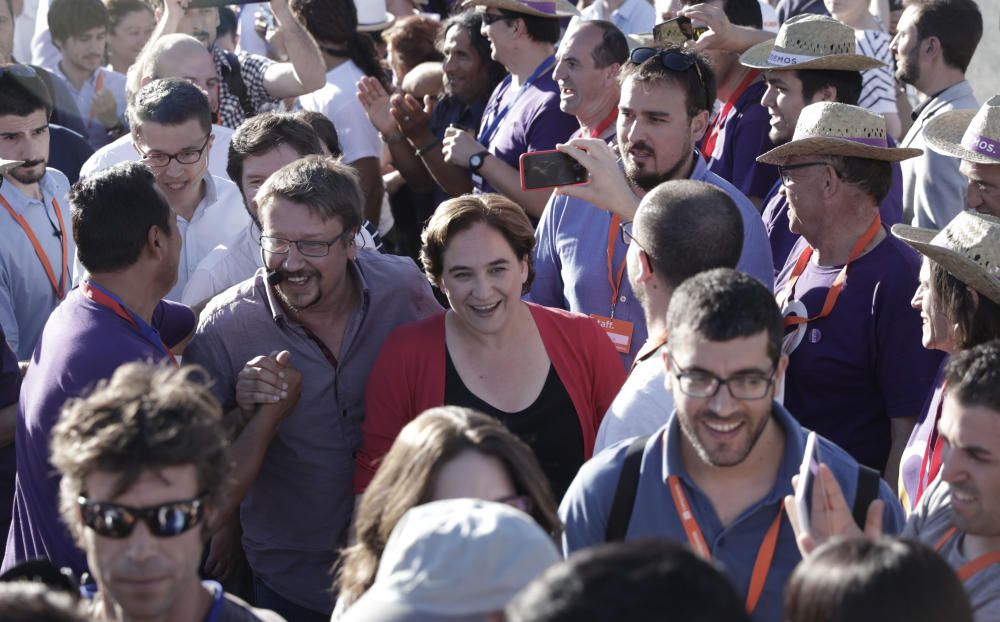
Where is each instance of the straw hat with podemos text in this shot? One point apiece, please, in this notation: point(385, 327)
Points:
point(832, 128)
point(968, 248)
point(810, 42)
point(970, 135)
point(538, 8)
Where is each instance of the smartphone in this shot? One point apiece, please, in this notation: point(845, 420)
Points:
point(201, 4)
point(808, 472)
point(548, 169)
point(676, 30)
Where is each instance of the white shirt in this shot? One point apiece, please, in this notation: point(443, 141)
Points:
point(640, 408)
point(43, 52)
point(339, 102)
point(24, 30)
point(632, 17)
point(122, 150)
point(237, 261)
point(769, 17)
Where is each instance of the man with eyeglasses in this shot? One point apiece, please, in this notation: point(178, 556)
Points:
point(127, 240)
point(857, 371)
point(143, 461)
point(172, 134)
point(666, 98)
point(715, 476)
point(325, 308)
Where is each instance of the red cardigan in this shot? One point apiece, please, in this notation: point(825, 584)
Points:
point(408, 378)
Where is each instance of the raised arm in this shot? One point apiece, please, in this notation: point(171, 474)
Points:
point(305, 70)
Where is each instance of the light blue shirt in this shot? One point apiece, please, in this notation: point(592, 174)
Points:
point(587, 504)
point(26, 295)
point(633, 17)
point(113, 82)
point(571, 265)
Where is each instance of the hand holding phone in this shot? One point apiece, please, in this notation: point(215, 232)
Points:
point(549, 169)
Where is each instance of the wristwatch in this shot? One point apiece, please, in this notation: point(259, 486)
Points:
point(477, 160)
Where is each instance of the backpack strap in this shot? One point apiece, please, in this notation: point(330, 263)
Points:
point(867, 491)
point(232, 73)
point(628, 485)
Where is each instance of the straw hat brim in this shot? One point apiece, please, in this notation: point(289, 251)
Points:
point(563, 7)
point(823, 145)
point(962, 268)
point(389, 18)
point(757, 58)
point(943, 133)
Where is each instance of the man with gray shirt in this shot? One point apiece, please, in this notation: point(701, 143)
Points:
point(321, 306)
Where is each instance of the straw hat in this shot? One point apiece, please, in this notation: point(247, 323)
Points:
point(372, 15)
point(967, 134)
point(810, 42)
point(832, 128)
point(538, 8)
point(968, 248)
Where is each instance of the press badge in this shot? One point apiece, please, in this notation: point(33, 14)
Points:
point(619, 331)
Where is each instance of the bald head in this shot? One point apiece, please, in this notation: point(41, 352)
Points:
point(178, 56)
point(424, 79)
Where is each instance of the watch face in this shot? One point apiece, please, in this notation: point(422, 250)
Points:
point(476, 161)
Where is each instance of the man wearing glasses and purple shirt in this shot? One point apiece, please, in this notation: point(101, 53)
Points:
point(143, 461)
point(171, 124)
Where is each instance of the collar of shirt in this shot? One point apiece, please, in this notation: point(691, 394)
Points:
point(211, 196)
point(959, 89)
point(278, 312)
point(795, 442)
point(19, 201)
point(700, 170)
point(89, 83)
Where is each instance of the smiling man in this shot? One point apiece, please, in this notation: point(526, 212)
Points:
point(331, 308)
point(727, 452)
point(144, 461)
point(79, 31)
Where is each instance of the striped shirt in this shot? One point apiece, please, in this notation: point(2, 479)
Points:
point(878, 90)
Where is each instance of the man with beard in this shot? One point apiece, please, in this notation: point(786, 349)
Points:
point(325, 308)
point(934, 43)
point(716, 474)
point(666, 96)
point(37, 244)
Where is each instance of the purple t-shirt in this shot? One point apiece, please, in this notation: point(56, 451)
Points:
point(742, 138)
point(82, 343)
point(10, 387)
point(776, 216)
point(863, 364)
point(533, 122)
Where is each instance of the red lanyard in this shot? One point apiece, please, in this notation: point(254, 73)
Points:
point(614, 280)
point(972, 568)
point(58, 286)
point(712, 136)
point(930, 464)
point(648, 349)
point(838, 283)
point(107, 299)
point(605, 123)
point(765, 554)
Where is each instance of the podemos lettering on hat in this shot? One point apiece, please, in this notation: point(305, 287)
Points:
point(966, 134)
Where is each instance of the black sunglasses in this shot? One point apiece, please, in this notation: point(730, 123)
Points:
point(674, 60)
point(490, 18)
point(118, 521)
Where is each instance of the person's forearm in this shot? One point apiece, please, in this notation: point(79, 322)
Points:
point(453, 179)
point(247, 451)
point(507, 180)
point(8, 424)
point(168, 24)
point(405, 159)
point(303, 54)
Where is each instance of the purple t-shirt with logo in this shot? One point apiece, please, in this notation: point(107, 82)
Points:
point(533, 122)
point(10, 387)
point(82, 343)
point(863, 364)
point(776, 215)
point(742, 138)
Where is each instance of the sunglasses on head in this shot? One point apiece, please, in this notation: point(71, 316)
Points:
point(674, 60)
point(118, 521)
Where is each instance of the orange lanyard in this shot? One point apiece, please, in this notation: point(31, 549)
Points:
point(765, 554)
point(97, 89)
point(838, 283)
point(615, 281)
point(648, 349)
point(605, 123)
point(972, 568)
point(712, 136)
point(59, 287)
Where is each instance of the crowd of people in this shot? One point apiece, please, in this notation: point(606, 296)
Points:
point(285, 334)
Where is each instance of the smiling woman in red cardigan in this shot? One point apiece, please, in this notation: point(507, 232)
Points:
point(547, 374)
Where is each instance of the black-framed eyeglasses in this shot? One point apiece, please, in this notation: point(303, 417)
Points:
point(308, 248)
point(784, 170)
point(703, 384)
point(674, 60)
point(184, 156)
point(625, 231)
point(118, 521)
point(492, 18)
point(18, 70)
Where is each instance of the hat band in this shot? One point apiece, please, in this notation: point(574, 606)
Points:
point(981, 145)
point(784, 58)
point(544, 7)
